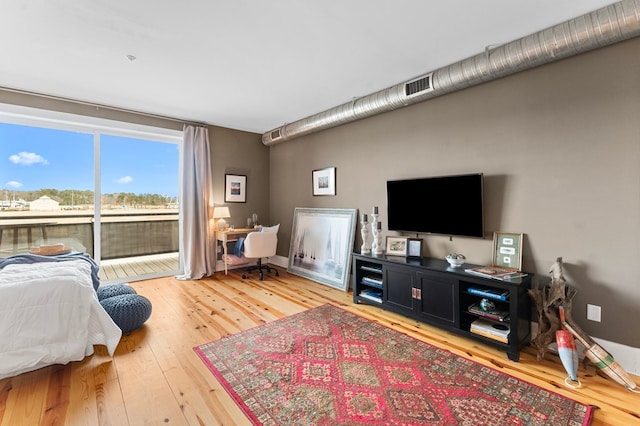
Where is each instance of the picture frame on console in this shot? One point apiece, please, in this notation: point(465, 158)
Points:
point(414, 247)
point(507, 250)
point(324, 181)
point(235, 188)
point(396, 246)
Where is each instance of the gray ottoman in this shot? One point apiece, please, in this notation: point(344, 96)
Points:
point(107, 291)
point(128, 311)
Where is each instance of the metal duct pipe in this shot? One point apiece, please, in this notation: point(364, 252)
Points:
point(608, 25)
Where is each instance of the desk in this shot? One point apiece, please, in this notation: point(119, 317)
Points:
point(16, 225)
point(225, 236)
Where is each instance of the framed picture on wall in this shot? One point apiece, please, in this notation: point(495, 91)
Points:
point(235, 188)
point(324, 181)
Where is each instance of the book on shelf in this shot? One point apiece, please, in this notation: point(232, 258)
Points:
point(490, 336)
point(491, 330)
point(495, 272)
point(371, 294)
point(496, 314)
point(492, 293)
point(372, 281)
point(371, 269)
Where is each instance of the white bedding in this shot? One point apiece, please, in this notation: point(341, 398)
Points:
point(50, 314)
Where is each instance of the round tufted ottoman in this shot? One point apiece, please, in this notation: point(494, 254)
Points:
point(128, 311)
point(107, 291)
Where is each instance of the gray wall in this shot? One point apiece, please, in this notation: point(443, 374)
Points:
point(240, 153)
point(560, 149)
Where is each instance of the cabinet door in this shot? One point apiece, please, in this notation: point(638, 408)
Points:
point(399, 289)
point(437, 297)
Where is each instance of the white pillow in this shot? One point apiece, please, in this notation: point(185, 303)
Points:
point(273, 228)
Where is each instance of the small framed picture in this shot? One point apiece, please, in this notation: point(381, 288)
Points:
point(235, 188)
point(396, 246)
point(414, 247)
point(507, 250)
point(324, 181)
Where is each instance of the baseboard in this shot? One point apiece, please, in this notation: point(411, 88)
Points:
point(281, 261)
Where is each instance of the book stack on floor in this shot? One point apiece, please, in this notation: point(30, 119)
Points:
point(491, 330)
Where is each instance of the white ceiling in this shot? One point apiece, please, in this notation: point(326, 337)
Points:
point(250, 64)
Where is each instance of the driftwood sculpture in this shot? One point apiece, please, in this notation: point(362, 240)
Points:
point(548, 300)
point(555, 298)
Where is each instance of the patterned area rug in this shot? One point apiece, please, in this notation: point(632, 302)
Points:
point(327, 366)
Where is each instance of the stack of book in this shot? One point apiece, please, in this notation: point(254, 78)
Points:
point(376, 282)
point(371, 294)
point(496, 272)
point(496, 314)
point(491, 330)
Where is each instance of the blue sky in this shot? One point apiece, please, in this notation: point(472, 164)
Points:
point(33, 158)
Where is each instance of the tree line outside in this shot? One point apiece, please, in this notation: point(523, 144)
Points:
point(84, 198)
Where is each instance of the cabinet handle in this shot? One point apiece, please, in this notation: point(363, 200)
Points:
point(416, 293)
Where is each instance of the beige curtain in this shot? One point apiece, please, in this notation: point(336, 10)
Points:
point(197, 246)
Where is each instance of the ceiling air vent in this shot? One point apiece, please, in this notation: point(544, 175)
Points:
point(419, 86)
point(275, 134)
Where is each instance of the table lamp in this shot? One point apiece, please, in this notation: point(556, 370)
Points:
point(220, 213)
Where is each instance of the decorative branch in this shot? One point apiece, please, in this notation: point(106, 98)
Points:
point(548, 299)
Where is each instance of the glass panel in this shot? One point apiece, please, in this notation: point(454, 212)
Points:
point(47, 198)
point(139, 206)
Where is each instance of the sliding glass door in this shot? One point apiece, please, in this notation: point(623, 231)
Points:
point(108, 190)
point(139, 206)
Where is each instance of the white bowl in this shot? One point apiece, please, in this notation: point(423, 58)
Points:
point(455, 262)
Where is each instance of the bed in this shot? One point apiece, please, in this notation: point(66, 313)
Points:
point(49, 313)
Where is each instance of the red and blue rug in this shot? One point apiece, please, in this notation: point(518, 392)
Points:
point(327, 366)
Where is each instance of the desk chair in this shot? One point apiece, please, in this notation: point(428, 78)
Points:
point(260, 245)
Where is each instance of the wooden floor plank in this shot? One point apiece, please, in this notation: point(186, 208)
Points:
point(156, 377)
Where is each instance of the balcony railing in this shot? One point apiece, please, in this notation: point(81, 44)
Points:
point(126, 236)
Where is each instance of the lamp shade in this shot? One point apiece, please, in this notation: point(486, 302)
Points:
point(219, 212)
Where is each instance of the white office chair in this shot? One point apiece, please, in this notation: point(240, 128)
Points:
point(259, 245)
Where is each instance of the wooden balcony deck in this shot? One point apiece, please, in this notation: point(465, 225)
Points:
point(139, 268)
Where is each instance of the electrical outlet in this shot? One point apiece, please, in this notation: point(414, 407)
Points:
point(594, 313)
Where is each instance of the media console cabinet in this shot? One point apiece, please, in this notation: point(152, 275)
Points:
point(433, 292)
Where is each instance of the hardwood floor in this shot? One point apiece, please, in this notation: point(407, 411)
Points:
point(156, 378)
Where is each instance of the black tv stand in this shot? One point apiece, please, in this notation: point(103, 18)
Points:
point(433, 292)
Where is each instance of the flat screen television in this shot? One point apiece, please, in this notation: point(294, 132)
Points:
point(447, 205)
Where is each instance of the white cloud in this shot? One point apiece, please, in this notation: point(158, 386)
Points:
point(13, 184)
point(27, 158)
point(125, 179)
